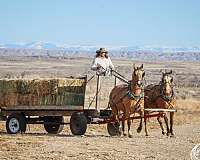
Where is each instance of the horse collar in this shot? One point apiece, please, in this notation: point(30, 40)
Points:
point(134, 97)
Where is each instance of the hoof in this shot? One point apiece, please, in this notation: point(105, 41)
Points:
point(172, 135)
point(167, 134)
point(124, 134)
point(146, 135)
point(130, 136)
point(163, 133)
point(139, 129)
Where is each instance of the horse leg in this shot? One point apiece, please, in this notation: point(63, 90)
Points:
point(129, 127)
point(171, 123)
point(161, 125)
point(140, 126)
point(123, 126)
point(166, 122)
point(145, 125)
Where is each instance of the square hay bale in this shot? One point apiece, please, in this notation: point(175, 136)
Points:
point(42, 92)
point(10, 99)
point(24, 99)
point(68, 98)
point(71, 85)
point(2, 100)
point(23, 86)
point(7, 86)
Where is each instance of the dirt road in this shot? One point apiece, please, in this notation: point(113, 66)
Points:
point(96, 144)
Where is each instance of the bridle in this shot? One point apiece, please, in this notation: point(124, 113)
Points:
point(140, 85)
point(162, 94)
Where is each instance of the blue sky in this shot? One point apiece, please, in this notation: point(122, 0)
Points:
point(101, 22)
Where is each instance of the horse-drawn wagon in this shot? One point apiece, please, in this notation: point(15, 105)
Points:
point(48, 101)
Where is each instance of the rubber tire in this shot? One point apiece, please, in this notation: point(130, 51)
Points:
point(21, 120)
point(53, 128)
point(78, 123)
point(113, 129)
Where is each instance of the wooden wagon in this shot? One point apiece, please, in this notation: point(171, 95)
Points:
point(25, 103)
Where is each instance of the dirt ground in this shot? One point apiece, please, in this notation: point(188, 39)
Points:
point(96, 143)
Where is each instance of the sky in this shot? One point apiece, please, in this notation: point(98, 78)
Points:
point(101, 22)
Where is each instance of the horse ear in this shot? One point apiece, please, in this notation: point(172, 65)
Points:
point(170, 72)
point(162, 71)
point(134, 66)
point(171, 80)
point(143, 74)
point(141, 67)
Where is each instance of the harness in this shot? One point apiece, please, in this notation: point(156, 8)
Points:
point(134, 97)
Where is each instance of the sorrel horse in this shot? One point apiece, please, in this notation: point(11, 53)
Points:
point(162, 96)
point(126, 100)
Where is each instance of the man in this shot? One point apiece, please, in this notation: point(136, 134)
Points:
point(102, 64)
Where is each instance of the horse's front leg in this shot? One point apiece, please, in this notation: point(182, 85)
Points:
point(166, 122)
point(161, 125)
point(123, 125)
point(129, 127)
point(145, 124)
point(139, 129)
point(171, 123)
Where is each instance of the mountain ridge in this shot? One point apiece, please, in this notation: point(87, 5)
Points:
point(52, 46)
point(147, 53)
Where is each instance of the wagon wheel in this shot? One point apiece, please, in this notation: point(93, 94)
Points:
point(53, 124)
point(78, 123)
point(113, 129)
point(16, 123)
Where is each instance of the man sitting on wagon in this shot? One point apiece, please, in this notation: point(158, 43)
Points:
point(102, 64)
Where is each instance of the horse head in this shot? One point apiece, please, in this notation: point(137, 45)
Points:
point(138, 75)
point(166, 83)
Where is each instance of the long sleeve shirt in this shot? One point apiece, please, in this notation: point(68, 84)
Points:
point(102, 65)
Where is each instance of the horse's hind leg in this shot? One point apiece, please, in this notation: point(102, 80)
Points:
point(171, 123)
point(161, 125)
point(166, 122)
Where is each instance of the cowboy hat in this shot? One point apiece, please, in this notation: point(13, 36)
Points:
point(102, 50)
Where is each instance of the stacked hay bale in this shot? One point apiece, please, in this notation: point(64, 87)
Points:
point(42, 92)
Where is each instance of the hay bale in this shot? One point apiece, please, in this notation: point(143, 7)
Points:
point(43, 87)
point(2, 100)
point(7, 86)
point(68, 98)
point(24, 99)
point(42, 92)
point(23, 86)
point(10, 99)
point(34, 100)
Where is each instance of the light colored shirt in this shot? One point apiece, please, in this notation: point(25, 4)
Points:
point(102, 65)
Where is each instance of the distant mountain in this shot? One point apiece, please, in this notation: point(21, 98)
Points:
point(32, 45)
point(148, 53)
point(52, 46)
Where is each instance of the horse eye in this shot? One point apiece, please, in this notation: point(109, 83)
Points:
point(171, 80)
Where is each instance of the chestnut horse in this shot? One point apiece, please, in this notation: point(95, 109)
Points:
point(127, 100)
point(162, 96)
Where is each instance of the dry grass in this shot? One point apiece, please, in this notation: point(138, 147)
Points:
point(36, 144)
